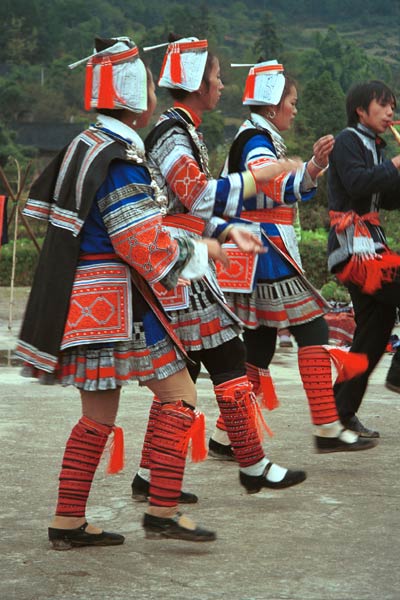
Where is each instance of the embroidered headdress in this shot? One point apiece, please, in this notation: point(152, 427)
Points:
point(264, 84)
point(184, 64)
point(115, 76)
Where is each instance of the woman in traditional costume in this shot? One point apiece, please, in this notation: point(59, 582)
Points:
point(281, 295)
point(208, 330)
point(92, 320)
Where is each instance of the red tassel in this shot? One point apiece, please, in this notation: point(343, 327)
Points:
point(254, 411)
point(176, 66)
point(88, 85)
point(249, 88)
point(116, 462)
point(197, 434)
point(269, 399)
point(106, 86)
point(348, 364)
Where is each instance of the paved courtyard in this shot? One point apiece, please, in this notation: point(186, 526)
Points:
point(334, 537)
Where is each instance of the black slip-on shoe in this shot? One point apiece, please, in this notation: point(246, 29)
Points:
point(254, 483)
point(140, 492)
point(159, 527)
point(326, 445)
point(220, 451)
point(65, 539)
point(354, 424)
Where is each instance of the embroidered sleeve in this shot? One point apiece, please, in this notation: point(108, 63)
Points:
point(134, 225)
point(283, 189)
point(202, 197)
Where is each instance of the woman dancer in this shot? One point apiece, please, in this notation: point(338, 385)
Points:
point(206, 327)
point(91, 318)
point(282, 296)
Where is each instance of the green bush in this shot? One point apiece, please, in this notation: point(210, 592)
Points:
point(314, 257)
point(25, 265)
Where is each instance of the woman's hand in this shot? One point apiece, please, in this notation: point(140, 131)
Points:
point(246, 240)
point(320, 160)
point(216, 252)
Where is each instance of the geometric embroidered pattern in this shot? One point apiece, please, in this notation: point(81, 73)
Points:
point(100, 305)
point(239, 275)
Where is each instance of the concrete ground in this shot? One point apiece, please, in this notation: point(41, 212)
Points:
point(334, 537)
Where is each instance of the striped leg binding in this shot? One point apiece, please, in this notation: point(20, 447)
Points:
point(176, 424)
point(82, 455)
point(239, 410)
point(153, 416)
point(316, 375)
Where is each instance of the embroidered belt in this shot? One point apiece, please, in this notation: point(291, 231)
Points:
point(343, 220)
point(186, 222)
point(278, 215)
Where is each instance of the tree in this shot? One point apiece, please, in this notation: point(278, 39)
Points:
point(268, 43)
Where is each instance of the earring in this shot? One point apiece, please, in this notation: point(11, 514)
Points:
point(271, 114)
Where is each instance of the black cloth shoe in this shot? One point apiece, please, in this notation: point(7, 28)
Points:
point(220, 451)
point(354, 424)
point(140, 492)
point(158, 527)
point(254, 483)
point(393, 375)
point(325, 445)
point(65, 539)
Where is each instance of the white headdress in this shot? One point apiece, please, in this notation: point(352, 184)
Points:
point(264, 84)
point(184, 64)
point(115, 76)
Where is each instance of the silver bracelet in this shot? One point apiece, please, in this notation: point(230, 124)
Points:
point(316, 165)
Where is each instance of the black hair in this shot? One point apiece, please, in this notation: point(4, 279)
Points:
point(361, 95)
point(179, 94)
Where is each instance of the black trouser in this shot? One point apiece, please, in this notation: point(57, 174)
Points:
point(375, 317)
point(223, 363)
point(260, 343)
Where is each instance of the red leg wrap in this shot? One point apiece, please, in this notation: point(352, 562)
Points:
point(220, 424)
point(153, 416)
point(174, 427)
point(316, 375)
point(238, 407)
point(81, 458)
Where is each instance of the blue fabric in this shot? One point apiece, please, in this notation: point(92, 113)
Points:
point(95, 238)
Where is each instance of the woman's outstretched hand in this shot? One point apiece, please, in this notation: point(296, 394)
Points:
point(246, 240)
point(216, 252)
point(320, 159)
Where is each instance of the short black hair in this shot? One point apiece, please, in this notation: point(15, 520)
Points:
point(361, 95)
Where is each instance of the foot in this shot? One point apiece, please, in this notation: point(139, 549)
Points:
point(177, 527)
point(343, 443)
point(140, 492)
point(220, 451)
point(65, 539)
point(354, 424)
point(254, 483)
